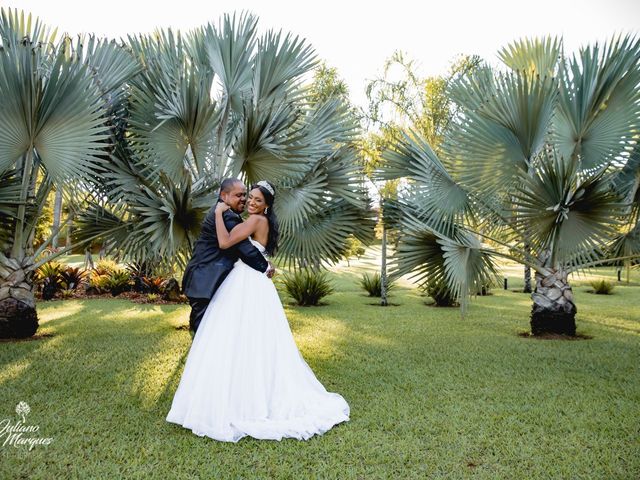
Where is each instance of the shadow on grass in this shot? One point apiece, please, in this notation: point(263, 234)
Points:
point(103, 343)
point(554, 336)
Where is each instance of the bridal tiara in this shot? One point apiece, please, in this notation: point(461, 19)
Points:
point(265, 184)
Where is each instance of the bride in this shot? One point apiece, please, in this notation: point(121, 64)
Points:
point(244, 375)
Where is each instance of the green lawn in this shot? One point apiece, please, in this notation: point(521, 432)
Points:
point(431, 394)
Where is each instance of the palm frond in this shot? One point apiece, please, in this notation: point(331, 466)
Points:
point(172, 117)
point(10, 187)
point(440, 201)
point(500, 136)
point(344, 176)
point(459, 261)
point(280, 64)
point(14, 28)
point(110, 64)
point(625, 245)
point(271, 142)
point(110, 226)
point(468, 266)
point(323, 237)
point(536, 56)
point(335, 177)
point(599, 109)
point(57, 110)
point(471, 90)
point(627, 179)
point(159, 222)
point(9, 192)
point(230, 49)
point(329, 123)
point(566, 212)
point(167, 218)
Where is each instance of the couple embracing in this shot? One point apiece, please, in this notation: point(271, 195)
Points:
point(244, 375)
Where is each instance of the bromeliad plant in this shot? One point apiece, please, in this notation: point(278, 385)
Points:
point(372, 284)
point(530, 170)
point(307, 287)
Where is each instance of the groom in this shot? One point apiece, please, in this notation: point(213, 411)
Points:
point(210, 265)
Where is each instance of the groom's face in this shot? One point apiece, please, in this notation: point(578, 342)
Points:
point(236, 197)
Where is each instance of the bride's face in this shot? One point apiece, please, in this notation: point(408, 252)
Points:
point(256, 203)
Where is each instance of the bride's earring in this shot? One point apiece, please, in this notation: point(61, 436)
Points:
point(266, 210)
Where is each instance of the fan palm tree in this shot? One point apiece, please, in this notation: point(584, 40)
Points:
point(53, 130)
point(222, 102)
point(530, 166)
point(627, 244)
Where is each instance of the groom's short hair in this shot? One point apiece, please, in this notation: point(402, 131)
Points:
point(228, 183)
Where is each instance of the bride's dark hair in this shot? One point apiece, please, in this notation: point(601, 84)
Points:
point(274, 234)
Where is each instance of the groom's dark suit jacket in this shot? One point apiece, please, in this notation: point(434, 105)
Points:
point(210, 265)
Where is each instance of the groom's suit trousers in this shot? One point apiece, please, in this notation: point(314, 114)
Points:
point(198, 307)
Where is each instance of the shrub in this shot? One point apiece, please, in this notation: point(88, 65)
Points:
point(485, 289)
point(441, 293)
point(98, 283)
point(66, 293)
point(139, 284)
point(140, 269)
point(171, 290)
point(154, 284)
point(373, 284)
point(353, 248)
point(49, 277)
point(153, 297)
point(602, 287)
point(71, 277)
point(106, 267)
point(306, 287)
point(141, 274)
point(108, 276)
point(119, 281)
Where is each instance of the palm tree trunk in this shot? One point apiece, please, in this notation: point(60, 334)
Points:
point(383, 267)
point(69, 230)
point(88, 259)
point(18, 317)
point(628, 268)
point(25, 167)
point(527, 279)
point(553, 308)
point(57, 214)
point(527, 271)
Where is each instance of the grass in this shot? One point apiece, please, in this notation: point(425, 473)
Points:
point(431, 394)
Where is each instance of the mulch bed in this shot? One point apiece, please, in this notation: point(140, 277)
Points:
point(135, 297)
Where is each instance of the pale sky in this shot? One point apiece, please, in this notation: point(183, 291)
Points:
point(357, 36)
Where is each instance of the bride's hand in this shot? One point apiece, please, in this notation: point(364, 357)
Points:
point(222, 207)
point(271, 271)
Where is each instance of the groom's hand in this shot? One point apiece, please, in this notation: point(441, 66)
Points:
point(271, 271)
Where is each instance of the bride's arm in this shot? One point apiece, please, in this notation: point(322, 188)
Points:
point(228, 239)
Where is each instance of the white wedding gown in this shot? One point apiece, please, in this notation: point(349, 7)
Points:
point(244, 375)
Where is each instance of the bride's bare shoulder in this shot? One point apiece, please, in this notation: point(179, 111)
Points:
point(259, 219)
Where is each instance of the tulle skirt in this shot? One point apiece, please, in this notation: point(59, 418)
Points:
point(244, 375)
